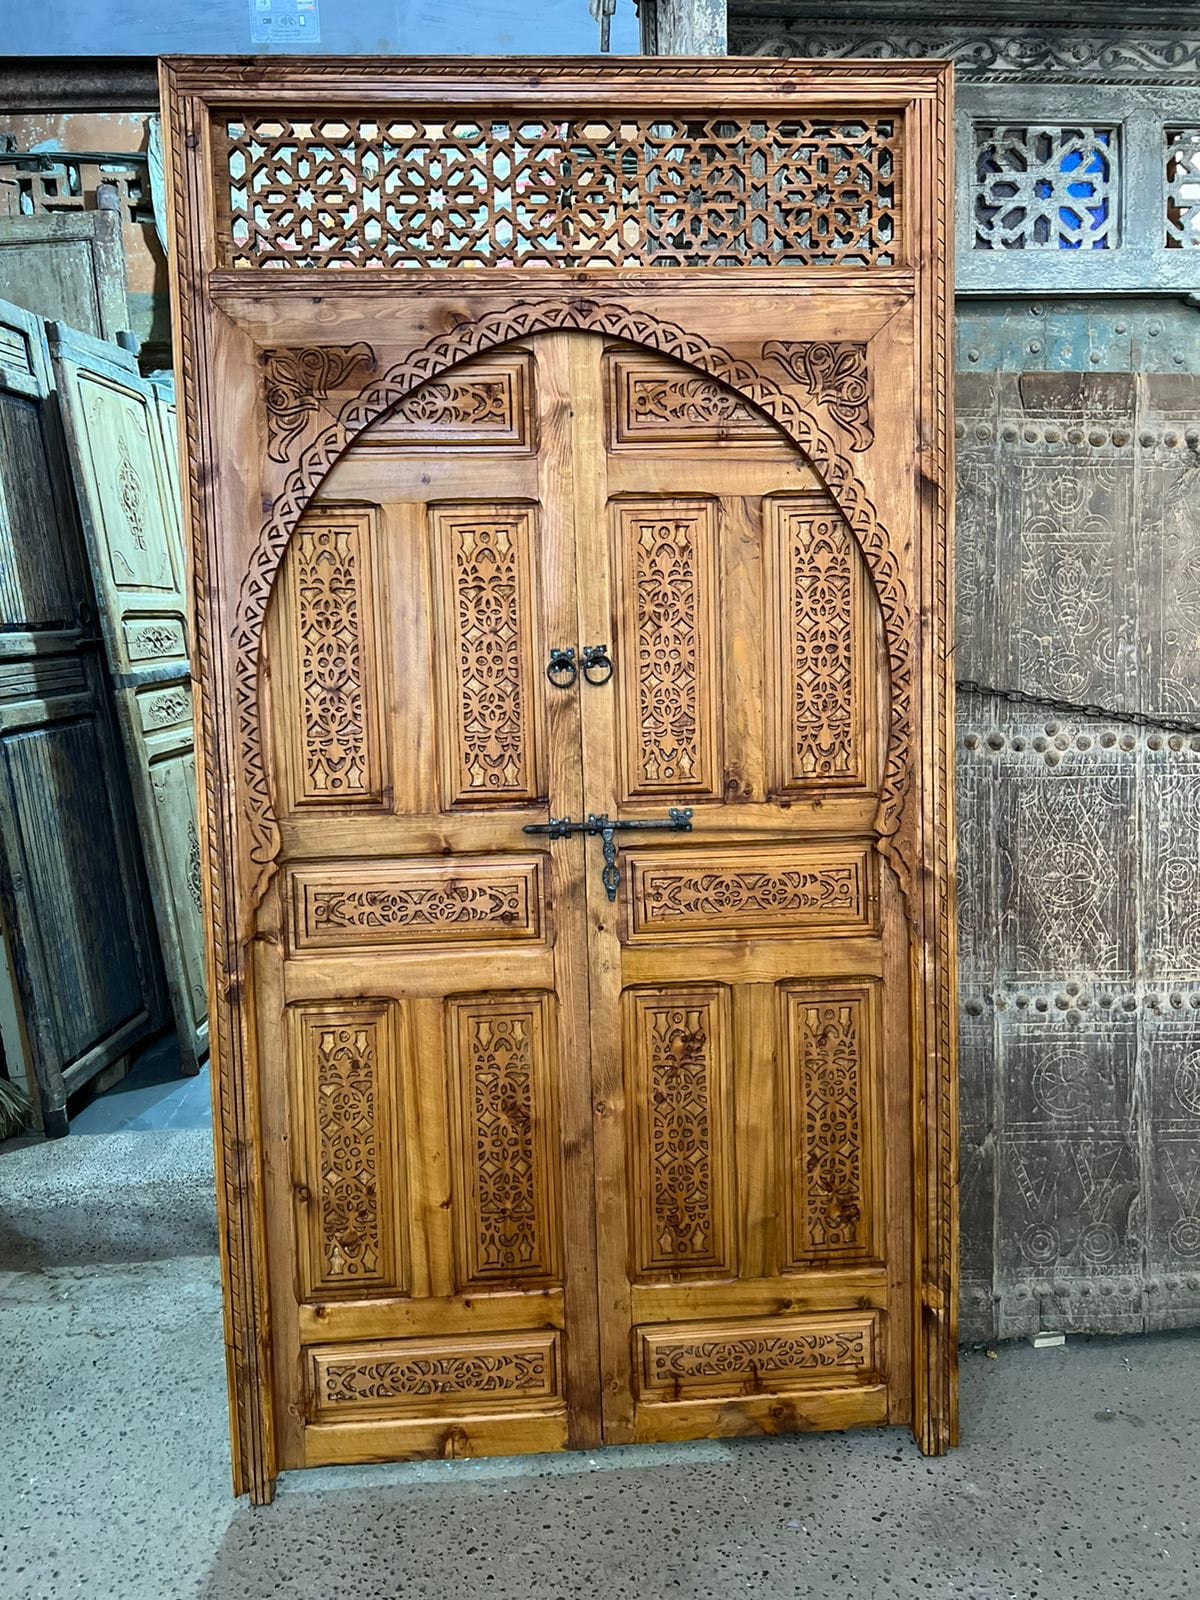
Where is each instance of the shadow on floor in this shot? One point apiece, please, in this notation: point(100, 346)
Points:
point(152, 1096)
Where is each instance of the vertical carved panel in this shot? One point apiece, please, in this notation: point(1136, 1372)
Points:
point(667, 567)
point(828, 1050)
point(334, 739)
point(350, 1178)
point(507, 1210)
point(821, 683)
point(484, 573)
point(677, 1046)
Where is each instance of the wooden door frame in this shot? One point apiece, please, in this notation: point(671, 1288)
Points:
point(279, 369)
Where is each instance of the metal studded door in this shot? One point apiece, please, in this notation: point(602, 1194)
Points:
point(573, 716)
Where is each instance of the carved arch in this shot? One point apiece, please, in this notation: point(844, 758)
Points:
point(520, 320)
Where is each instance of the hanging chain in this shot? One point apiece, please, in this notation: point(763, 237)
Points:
point(1073, 708)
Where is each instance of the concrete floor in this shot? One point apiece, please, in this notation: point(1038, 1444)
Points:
point(1079, 1475)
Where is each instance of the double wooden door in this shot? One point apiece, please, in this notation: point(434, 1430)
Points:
point(579, 1135)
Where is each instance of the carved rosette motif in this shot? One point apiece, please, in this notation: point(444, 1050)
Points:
point(669, 575)
point(835, 374)
point(131, 494)
point(506, 1228)
point(680, 1056)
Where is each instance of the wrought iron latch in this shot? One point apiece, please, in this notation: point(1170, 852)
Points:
point(677, 820)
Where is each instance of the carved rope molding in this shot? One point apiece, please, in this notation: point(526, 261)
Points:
point(520, 320)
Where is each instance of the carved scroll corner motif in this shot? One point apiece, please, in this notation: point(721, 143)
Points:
point(834, 374)
point(296, 380)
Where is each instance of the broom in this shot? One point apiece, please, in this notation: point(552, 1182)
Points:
point(15, 1109)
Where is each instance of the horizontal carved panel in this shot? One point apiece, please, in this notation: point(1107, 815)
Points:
point(332, 728)
point(350, 1150)
point(425, 1377)
point(828, 1053)
point(168, 707)
point(752, 888)
point(678, 1049)
point(488, 404)
point(655, 403)
point(485, 563)
point(150, 638)
point(667, 573)
point(522, 189)
point(506, 1189)
point(755, 1357)
point(820, 679)
point(389, 903)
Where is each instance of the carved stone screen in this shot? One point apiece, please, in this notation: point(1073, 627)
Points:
point(568, 476)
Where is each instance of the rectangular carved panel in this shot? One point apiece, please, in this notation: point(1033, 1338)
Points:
point(421, 1377)
point(820, 680)
point(506, 1194)
point(390, 903)
point(348, 1104)
point(484, 566)
point(678, 1050)
point(828, 1051)
point(767, 889)
point(824, 1348)
point(653, 402)
point(486, 405)
point(334, 726)
point(668, 651)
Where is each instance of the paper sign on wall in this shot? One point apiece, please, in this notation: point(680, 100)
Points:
point(285, 22)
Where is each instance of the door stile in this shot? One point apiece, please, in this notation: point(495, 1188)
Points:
point(561, 475)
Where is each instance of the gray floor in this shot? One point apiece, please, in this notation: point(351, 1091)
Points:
point(1079, 1475)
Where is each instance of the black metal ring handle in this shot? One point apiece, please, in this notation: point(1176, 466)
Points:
point(596, 660)
point(562, 670)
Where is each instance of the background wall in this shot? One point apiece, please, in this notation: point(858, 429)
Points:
point(1078, 575)
point(327, 27)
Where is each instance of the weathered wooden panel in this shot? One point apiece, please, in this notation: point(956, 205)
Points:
point(1079, 848)
point(129, 504)
point(67, 266)
point(71, 887)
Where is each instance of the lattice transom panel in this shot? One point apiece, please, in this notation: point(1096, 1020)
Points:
point(584, 191)
point(1045, 188)
point(1183, 187)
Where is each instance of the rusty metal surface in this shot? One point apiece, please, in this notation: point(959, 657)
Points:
point(1079, 579)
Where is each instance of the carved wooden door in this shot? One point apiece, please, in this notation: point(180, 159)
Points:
point(574, 698)
point(129, 506)
point(77, 938)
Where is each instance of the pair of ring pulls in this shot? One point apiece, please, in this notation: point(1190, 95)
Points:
point(562, 672)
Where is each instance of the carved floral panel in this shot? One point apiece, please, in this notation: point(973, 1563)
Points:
point(333, 735)
point(828, 1054)
point(678, 1050)
point(485, 564)
point(670, 726)
point(780, 1353)
point(506, 1201)
point(433, 1376)
point(351, 1170)
point(821, 678)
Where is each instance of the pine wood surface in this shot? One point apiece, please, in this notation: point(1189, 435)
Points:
point(506, 1163)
